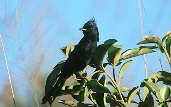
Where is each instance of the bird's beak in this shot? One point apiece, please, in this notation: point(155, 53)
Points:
point(82, 29)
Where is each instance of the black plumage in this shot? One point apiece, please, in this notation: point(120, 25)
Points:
point(79, 58)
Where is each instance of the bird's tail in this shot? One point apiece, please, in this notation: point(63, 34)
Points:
point(56, 90)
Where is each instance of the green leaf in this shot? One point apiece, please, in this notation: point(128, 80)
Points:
point(51, 79)
point(68, 49)
point(163, 105)
point(100, 52)
point(110, 41)
point(168, 45)
point(135, 52)
point(145, 93)
point(95, 86)
point(148, 100)
point(123, 68)
point(150, 39)
point(100, 97)
point(91, 98)
point(80, 75)
point(165, 92)
point(149, 47)
point(110, 83)
point(131, 94)
point(112, 102)
point(122, 89)
point(81, 96)
point(96, 75)
point(74, 87)
point(154, 89)
point(114, 54)
point(163, 76)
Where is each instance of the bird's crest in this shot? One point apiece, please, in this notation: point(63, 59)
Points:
point(90, 23)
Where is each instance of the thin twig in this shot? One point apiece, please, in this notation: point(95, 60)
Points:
point(117, 87)
point(142, 37)
point(114, 72)
point(160, 62)
point(88, 77)
point(167, 55)
point(9, 76)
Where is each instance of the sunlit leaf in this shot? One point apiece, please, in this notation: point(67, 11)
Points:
point(131, 94)
point(163, 105)
point(168, 46)
point(114, 54)
point(150, 39)
point(163, 76)
point(153, 88)
point(122, 70)
point(148, 100)
point(68, 49)
point(135, 52)
point(165, 92)
point(122, 89)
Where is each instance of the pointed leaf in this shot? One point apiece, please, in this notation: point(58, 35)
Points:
point(81, 96)
point(163, 105)
point(96, 75)
point(145, 93)
point(131, 94)
point(122, 89)
point(95, 86)
point(100, 52)
point(110, 41)
point(91, 98)
point(163, 76)
point(154, 89)
point(114, 54)
point(110, 83)
point(100, 97)
point(112, 102)
point(149, 47)
point(135, 52)
point(68, 49)
point(122, 70)
point(150, 39)
point(168, 45)
point(148, 100)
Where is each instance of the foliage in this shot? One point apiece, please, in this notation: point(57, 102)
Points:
point(95, 86)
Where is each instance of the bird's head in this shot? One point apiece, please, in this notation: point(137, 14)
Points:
point(90, 29)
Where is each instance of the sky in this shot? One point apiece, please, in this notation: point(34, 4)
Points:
point(34, 31)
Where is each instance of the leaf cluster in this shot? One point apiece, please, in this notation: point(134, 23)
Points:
point(95, 86)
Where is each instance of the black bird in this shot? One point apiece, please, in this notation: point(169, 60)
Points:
point(78, 59)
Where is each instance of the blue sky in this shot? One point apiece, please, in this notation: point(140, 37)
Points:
point(34, 31)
